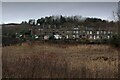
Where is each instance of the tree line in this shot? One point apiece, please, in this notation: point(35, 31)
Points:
point(70, 20)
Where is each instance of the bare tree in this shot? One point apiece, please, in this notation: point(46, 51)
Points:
point(118, 14)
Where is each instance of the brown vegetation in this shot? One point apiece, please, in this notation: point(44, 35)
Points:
point(44, 60)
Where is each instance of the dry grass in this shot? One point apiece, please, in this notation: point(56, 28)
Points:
point(44, 60)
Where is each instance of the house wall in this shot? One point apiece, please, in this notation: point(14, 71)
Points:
point(78, 32)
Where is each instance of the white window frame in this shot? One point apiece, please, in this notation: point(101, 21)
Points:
point(94, 37)
point(90, 32)
point(104, 32)
point(77, 32)
point(98, 37)
point(90, 37)
point(98, 32)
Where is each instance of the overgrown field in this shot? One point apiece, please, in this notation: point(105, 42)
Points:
point(44, 60)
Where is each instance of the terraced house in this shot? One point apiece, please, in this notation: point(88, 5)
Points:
point(76, 32)
point(43, 32)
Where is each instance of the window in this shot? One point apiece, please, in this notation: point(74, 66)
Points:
point(67, 36)
point(108, 37)
point(77, 36)
point(87, 32)
point(73, 36)
point(67, 31)
point(90, 32)
point(90, 37)
point(77, 32)
point(75, 28)
point(83, 31)
point(97, 32)
point(94, 37)
point(74, 31)
point(104, 32)
point(108, 32)
point(98, 37)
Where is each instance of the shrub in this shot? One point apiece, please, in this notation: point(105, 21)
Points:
point(115, 40)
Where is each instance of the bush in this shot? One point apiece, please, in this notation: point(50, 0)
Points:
point(115, 40)
point(7, 41)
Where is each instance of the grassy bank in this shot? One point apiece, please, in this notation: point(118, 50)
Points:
point(42, 60)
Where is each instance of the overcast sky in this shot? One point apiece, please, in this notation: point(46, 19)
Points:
point(20, 11)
